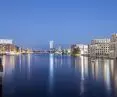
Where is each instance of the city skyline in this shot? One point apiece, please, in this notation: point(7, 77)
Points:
point(58, 48)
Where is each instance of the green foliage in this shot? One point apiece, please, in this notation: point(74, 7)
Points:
point(75, 51)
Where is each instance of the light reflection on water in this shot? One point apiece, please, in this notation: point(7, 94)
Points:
point(49, 74)
point(29, 65)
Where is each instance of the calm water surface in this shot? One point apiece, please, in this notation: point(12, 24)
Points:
point(58, 76)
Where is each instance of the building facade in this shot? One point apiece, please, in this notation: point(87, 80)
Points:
point(6, 45)
point(6, 41)
point(99, 47)
point(113, 46)
point(51, 44)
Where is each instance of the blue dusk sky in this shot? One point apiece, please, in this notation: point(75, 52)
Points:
point(36, 22)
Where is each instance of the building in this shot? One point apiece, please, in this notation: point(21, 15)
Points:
point(99, 47)
point(7, 46)
point(113, 46)
point(82, 48)
point(6, 41)
point(51, 44)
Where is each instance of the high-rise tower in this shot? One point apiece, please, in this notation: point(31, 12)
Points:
point(51, 44)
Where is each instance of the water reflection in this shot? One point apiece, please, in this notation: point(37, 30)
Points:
point(114, 78)
point(103, 70)
point(82, 76)
point(73, 62)
point(1, 84)
point(51, 71)
point(90, 74)
point(84, 73)
point(107, 74)
point(8, 64)
point(20, 61)
point(1, 78)
point(100, 70)
point(29, 65)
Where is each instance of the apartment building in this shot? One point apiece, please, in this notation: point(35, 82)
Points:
point(113, 46)
point(99, 47)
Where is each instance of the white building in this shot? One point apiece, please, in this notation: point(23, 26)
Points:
point(113, 46)
point(6, 41)
point(83, 48)
point(51, 44)
point(99, 47)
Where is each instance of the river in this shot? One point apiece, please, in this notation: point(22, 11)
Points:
point(48, 75)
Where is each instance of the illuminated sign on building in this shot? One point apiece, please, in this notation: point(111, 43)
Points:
point(6, 41)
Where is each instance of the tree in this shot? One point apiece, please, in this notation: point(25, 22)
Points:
point(75, 50)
